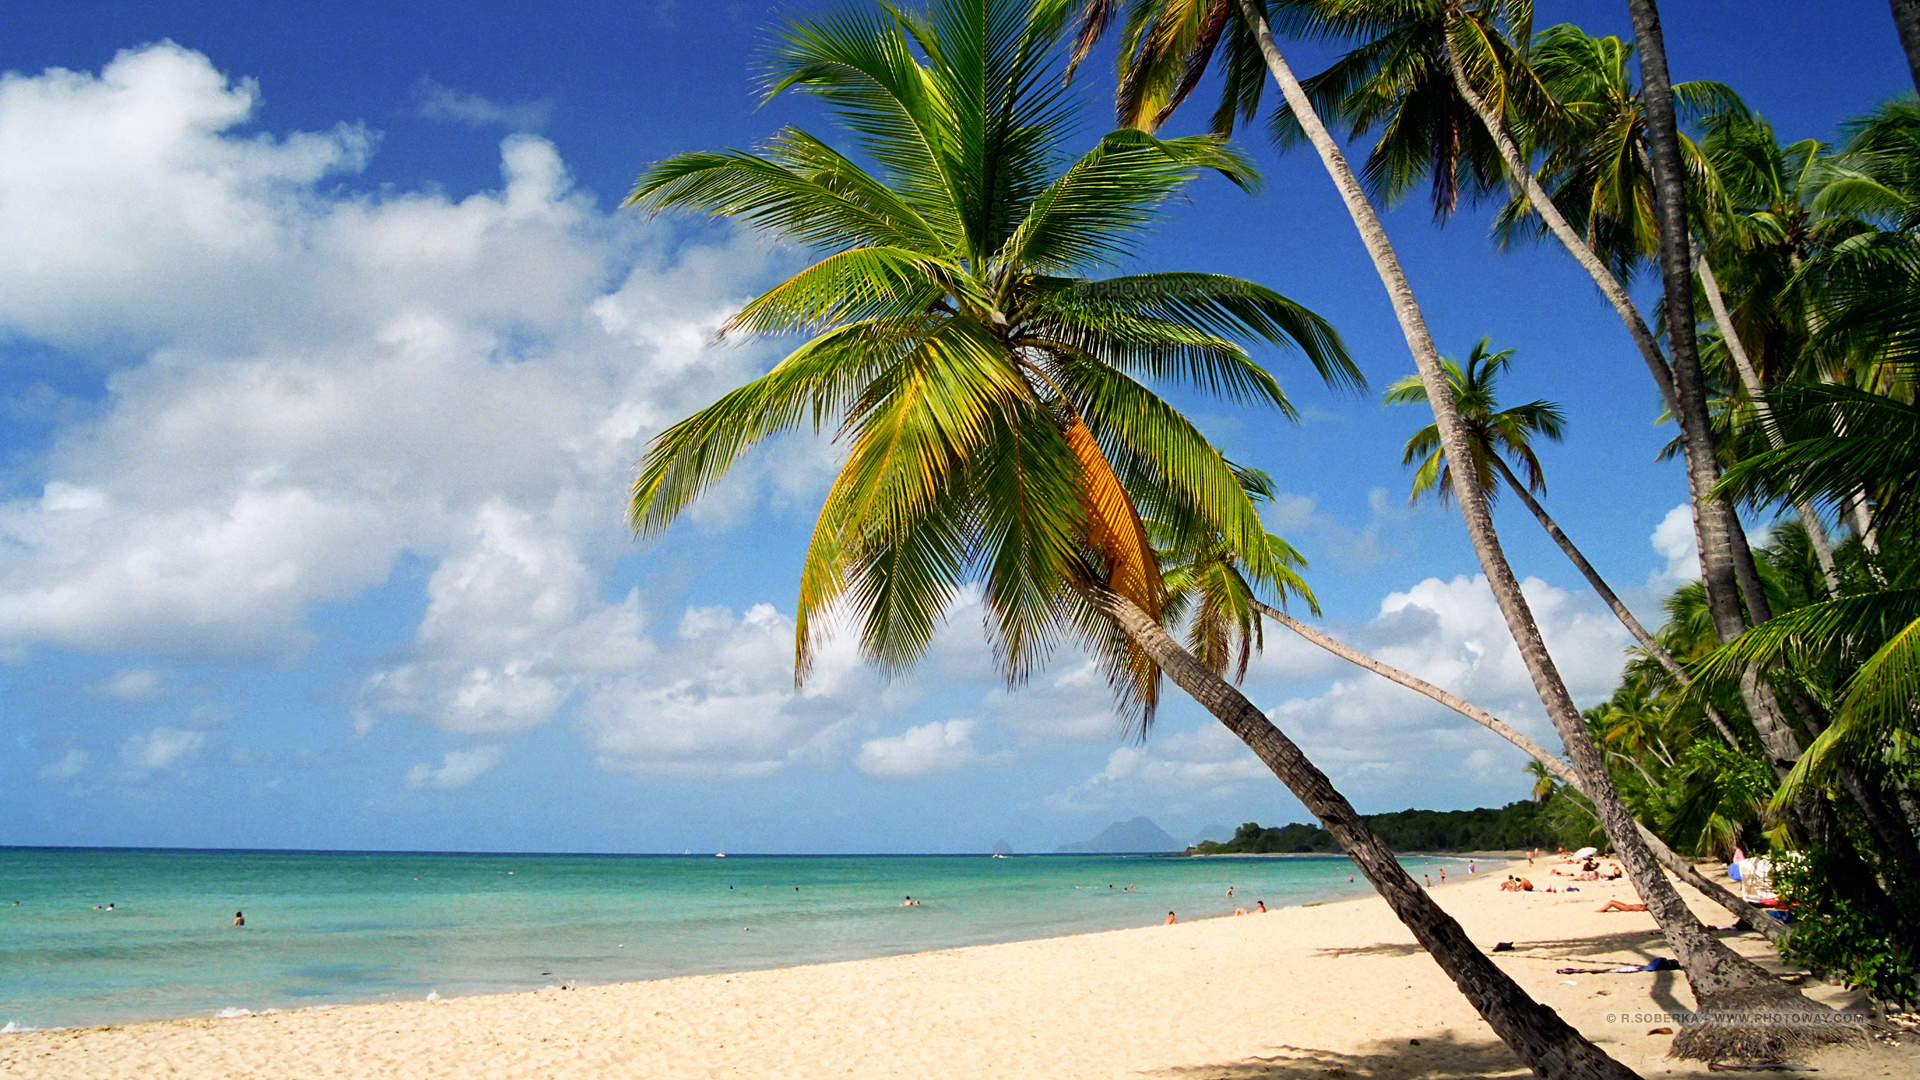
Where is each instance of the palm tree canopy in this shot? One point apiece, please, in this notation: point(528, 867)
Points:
point(988, 393)
point(1592, 145)
point(1491, 430)
point(1399, 80)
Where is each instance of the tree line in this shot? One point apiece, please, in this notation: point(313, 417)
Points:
point(1518, 826)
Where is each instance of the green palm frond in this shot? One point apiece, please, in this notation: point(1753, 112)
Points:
point(988, 395)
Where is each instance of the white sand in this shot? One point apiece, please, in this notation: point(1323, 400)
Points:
point(1338, 990)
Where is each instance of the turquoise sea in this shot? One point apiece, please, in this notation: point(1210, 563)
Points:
point(327, 928)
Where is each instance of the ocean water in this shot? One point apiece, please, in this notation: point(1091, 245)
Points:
point(326, 928)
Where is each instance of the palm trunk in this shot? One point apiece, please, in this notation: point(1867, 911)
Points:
point(1647, 641)
point(1906, 19)
point(1556, 223)
point(1726, 563)
point(1544, 1043)
point(1739, 579)
point(1593, 577)
point(1712, 968)
point(1750, 381)
point(1772, 929)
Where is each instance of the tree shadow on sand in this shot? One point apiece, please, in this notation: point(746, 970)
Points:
point(1436, 1057)
point(1638, 942)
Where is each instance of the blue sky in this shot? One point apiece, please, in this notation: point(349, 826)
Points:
point(325, 353)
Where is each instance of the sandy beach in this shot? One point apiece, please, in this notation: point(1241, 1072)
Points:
point(1336, 990)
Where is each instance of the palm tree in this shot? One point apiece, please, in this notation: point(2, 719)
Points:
point(1762, 230)
point(1446, 85)
point(1495, 435)
point(1716, 972)
point(984, 388)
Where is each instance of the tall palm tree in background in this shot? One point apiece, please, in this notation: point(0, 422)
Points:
point(985, 389)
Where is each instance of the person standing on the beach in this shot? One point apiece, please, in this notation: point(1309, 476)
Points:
point(1429, 878)
point(1443, 873)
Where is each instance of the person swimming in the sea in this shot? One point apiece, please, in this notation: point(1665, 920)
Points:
point(239, 918)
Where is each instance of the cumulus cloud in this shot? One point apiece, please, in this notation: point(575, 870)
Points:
point(1674, 540)
point(718, 700)
point(438, 102)
point(1372, 736)
point(159, 749)
point(939, 747)
point(457, 768)
point(302, 383)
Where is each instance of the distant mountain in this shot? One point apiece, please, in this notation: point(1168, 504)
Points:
point(1137, 835)
point(1003, 848)
point(1219, 834)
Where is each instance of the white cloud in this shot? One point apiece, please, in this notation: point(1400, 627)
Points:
point(1675, 540)
point(160, 748)
point(1177, 769)
point(69, 765)
point(307, 383)
point(132, 684)
point(439, 102)
point(457, 768)
point(718, 700)
point(1372, 736)
point(924, 751)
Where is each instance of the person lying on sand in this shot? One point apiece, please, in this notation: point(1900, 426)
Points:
point(1516, 884)
point(1170, 920)
point(1615, 905)
point(1260, 907)
point(1239, 911)
point(1658, 963)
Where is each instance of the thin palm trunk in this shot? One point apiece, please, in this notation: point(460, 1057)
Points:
point(1647, 641)
point(1556, 223)
point(1544, 1043)
point(1713, 969)
point(1750, 381)
point(1906, 20)
point(1771, 928)
point(1725, 560)
point(1741, 580)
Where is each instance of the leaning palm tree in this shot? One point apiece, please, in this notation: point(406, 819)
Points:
point(1719, 976)
point(1223, 610)
point(985, 388)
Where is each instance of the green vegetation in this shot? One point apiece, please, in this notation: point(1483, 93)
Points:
point(1514, 827)
point(993, 400)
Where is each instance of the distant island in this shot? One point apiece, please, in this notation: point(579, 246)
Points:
point(1125, 837)
point(1513, 827)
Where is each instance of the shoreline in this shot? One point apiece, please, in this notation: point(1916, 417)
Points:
point(1298, 992)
